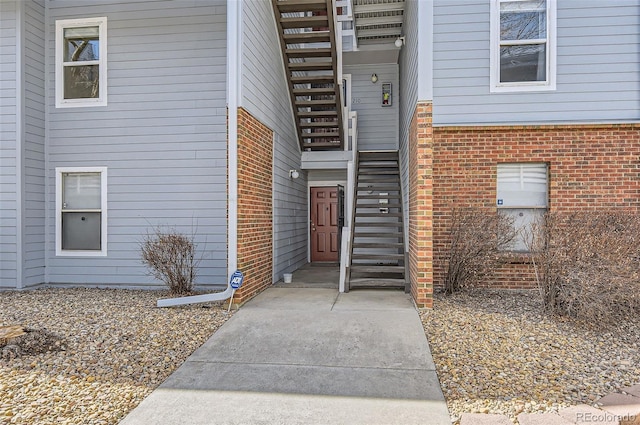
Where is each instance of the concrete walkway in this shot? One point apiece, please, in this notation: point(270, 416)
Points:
point(307, 356)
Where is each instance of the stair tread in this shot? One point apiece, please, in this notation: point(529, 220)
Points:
point(382, 224)
point(384, 189)
point(307, 37)
point(377, 244)
point(378, 214)
point(325, 124)
point(314, 91)
point(378, 196)
point(313, 145)
point(377, 282)
point(307, 103)
point(317, 114)
point(378, 179)
point(311, 79)
point(378, 163)
point(378, 234)
point(320, 52)
point(378, 155)
point(310, 66)
point(301, 5)
point(376, 172)
point(304, 21)
point(377, 205)
point(379, 256)
point(320, 134)
point(372, 268)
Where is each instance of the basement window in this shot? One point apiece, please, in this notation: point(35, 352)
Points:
point(522, 194)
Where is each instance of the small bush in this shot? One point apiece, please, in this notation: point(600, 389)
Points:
point(170, 257)
point(477, 241)
point(588, 264)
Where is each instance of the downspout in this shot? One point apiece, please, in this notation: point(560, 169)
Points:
point(234, 28)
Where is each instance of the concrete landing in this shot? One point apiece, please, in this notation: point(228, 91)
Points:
point(307, 356)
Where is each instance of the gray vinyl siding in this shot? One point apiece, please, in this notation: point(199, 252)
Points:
point(408, 95)
point(162, 136)
point(8, 145)
point(265, 95)
point(377, 125)
point(33, 153)
point(598, 71)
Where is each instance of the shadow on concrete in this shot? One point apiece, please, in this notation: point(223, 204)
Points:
point(307, 356)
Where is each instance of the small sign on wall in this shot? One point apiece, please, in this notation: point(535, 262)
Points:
point(386, 94)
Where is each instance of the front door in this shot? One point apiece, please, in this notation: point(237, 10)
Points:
point(324, 224)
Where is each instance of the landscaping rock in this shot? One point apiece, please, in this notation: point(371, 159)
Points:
point(110, 349)
point(498, 352)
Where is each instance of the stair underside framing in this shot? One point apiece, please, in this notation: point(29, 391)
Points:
point(307, 39)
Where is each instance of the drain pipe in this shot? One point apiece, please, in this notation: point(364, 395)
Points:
point(234, 14)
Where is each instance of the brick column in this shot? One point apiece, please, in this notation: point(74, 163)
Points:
point(421, 205)
point(255, 206)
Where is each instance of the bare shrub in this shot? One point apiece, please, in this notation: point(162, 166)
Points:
point(588, 264)
point(478, 240)
point(170, 257)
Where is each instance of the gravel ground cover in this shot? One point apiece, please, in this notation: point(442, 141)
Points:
point(496, 352)
point(110, 349)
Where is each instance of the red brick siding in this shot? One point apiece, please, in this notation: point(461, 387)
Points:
point(590, 167)
point(255, 205)
point(421, 206)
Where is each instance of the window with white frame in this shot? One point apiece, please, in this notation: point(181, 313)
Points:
point(522, 194)
point(523, 48)
point(81, 211)
point(81, 62)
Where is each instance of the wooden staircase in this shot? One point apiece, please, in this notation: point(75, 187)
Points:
point(307, 39)
point(377, 242)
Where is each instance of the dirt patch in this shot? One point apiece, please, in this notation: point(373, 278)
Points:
point(30, 342)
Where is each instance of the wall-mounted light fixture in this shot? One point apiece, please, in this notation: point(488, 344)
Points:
point(400, 41)
point(294, 174)
point(374, 78)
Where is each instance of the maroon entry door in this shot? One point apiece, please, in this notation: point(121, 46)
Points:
point(324, 224)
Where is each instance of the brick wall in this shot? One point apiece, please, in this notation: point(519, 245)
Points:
point(420, 206)
point(590, 167)
point(255, 205)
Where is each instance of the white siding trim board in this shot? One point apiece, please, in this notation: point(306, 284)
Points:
point(234, 67)
point(20, 136)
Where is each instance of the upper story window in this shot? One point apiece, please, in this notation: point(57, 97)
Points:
point(523, 50)
point(81, 62)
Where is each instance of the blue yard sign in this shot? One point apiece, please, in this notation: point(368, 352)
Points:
point(236, 279)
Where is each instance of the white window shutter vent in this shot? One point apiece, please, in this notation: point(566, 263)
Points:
point(522, 185)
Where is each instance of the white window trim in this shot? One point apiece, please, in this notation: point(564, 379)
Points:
point(101, 100)
point(103, 216)
point(526, 86)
